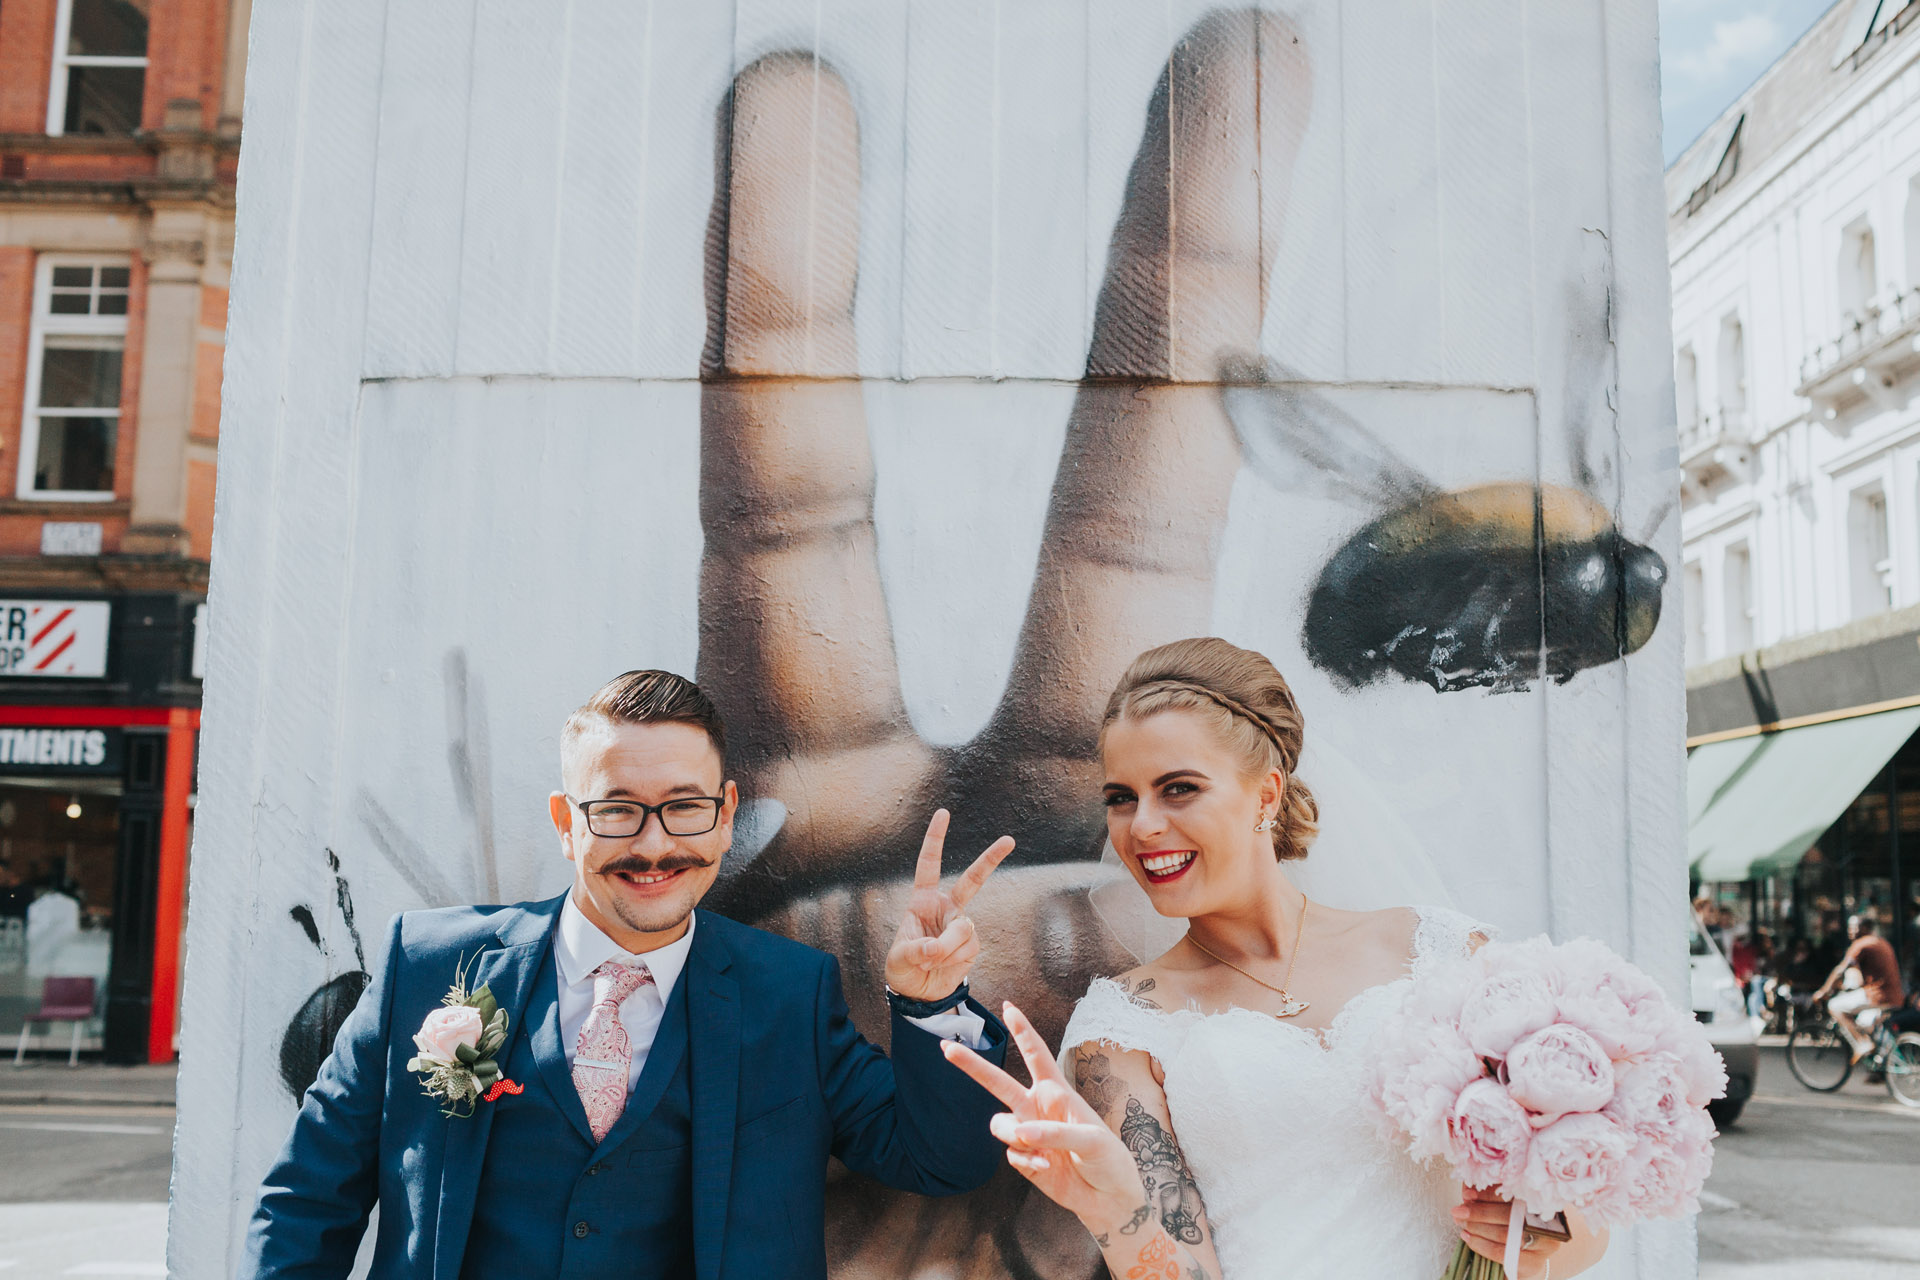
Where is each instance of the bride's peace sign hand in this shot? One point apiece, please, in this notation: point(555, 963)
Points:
point(1054, 1138)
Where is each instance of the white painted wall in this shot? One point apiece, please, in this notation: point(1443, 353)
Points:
point(462, 380)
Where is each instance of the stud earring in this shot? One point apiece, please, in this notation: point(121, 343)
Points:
point(1266, 824)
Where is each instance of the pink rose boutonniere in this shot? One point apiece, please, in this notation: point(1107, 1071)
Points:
point(457, 1044)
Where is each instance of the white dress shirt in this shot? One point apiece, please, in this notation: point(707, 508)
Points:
point(579, 947)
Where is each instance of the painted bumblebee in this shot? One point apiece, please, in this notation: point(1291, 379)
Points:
point(1490, 586)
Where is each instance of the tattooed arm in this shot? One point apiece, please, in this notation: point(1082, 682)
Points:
point(1061, 1144)
point(1123, 1088)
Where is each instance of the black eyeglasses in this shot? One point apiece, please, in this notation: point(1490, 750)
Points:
point(624, 819)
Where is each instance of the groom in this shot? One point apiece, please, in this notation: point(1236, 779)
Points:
point(681, 1079)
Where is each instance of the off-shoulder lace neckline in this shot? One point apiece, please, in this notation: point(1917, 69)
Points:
point(1428, 921)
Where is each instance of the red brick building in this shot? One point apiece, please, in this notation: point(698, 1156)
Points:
point(119, 137)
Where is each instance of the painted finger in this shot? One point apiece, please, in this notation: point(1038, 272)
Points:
point(976, 875)
point(1150, 457)
point(989, 1077)
point(926, 871)
point(790, 566)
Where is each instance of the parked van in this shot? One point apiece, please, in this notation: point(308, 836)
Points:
point(1721, 1007)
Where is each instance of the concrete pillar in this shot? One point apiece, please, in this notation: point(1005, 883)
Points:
point(176, 252)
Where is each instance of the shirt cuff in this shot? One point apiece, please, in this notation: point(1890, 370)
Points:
point(959, 1023)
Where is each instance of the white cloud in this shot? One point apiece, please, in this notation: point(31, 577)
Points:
point(1733, 44)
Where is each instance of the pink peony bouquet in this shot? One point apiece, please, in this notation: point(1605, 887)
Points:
point(1559, 1076)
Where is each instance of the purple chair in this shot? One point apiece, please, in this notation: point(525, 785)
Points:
point(63, 1000)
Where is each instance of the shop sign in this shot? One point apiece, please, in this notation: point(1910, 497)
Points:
point(60, 751)
point(54, 638)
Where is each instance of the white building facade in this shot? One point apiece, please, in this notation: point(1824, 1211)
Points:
point(1794, 243)
point(1795, 249)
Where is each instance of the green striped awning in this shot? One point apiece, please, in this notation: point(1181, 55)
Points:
point(1756, 805)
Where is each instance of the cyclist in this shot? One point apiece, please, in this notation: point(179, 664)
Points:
point(1855, 1011)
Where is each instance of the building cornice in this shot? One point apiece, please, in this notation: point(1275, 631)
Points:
point(1809, 151)
point(102, 573)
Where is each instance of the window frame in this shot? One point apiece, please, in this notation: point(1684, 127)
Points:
point(62, 61)
point(44, 325)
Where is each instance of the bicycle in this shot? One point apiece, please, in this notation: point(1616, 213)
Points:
point(1821, 1058)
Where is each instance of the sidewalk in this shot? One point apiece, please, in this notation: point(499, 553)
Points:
point(51, 1082)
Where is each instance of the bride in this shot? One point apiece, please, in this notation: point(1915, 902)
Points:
point(1214, 1124)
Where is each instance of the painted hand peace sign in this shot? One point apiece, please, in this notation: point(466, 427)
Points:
point(936, 944)
point(795, 640)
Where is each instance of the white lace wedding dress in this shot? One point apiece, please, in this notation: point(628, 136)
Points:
point(1298, 1180)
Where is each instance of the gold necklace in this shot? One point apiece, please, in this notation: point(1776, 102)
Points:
point(1290, 1005)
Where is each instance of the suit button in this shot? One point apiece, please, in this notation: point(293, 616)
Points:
point(580, 1231)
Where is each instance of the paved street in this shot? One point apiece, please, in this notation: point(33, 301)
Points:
point(1808, 1186)
point(84, 1158)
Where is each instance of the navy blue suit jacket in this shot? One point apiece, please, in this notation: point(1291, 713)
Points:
point(773, 1056)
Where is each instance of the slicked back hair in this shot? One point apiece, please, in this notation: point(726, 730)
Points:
point(643, 697)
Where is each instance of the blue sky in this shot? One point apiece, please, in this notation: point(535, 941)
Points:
point(1712, 49)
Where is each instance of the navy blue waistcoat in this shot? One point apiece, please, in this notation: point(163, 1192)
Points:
point(626, 1210)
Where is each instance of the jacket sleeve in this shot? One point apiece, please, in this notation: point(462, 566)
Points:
point(313, 1206)
point(916, 1122)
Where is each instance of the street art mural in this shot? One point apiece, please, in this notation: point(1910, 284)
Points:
point(901, 371)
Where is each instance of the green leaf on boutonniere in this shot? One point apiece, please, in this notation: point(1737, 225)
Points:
point(483, 1001)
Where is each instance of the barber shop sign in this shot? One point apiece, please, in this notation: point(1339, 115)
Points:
point(53, 638)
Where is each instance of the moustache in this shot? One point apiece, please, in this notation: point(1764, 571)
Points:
point(641, 867)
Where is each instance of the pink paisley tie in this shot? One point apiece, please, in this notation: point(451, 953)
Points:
point(603, 1055)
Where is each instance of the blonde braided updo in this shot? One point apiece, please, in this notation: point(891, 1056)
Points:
point(1251, 707)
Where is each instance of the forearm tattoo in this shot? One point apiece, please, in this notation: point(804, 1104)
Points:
point(1130, 1226)
point(1169, 1184)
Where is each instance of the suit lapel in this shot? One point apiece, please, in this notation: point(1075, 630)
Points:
point(510, 972)
point(551, 1056)
point(713, 1015)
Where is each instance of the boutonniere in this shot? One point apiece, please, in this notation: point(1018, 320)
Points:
point(457, 1043)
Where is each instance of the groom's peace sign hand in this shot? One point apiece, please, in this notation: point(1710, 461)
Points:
point(936, 944)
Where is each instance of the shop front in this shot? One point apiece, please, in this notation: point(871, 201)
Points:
point(1803, 789)
point(96, 783)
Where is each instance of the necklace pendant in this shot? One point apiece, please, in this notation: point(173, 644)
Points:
point(1289, 1006)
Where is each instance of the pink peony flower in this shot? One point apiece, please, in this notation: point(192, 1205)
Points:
point(1504, 1007)
point(1700, 1064)
point(1418, 1077)
point(1615, 1003)
point(1650, 1097)
point(1557, 1070)
point(1577, 1161)
point(1489, 1135)
point(1664, 1176)
point(447, 1028)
